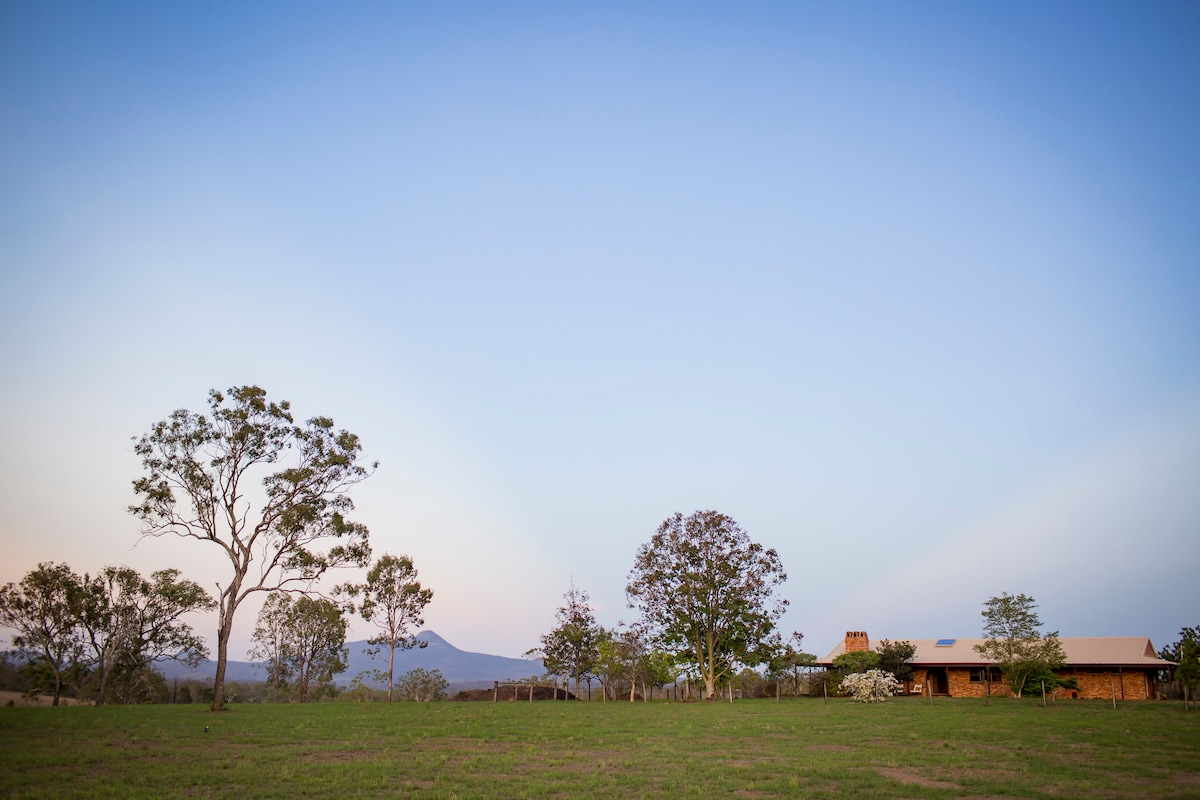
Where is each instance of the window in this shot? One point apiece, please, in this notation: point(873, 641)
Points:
point(979, 674)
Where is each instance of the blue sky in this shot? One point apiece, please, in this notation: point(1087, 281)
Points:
point(909, 291)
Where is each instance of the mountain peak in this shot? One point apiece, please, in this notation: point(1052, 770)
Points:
point(432, 638)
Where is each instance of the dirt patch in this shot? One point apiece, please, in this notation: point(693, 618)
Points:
point(37, 701)
point(512, 694)
point(903, 776)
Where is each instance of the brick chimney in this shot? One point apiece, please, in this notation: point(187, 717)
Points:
point(857, 641)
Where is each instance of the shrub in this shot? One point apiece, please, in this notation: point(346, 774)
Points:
point(872, 686)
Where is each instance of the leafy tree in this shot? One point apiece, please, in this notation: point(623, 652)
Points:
point(393, 599)
point(788, 660)
point(707, 591)
point(129, 622)
point(751, 682)
point(422, 685)
point(198, 485)
point(856, 662)
point(363, 685)
point(138, 683)
point(572, 648)
point(1041, 676)
point(1186, 655)
point(11, 679)
point(1012, 640)
point(271, 640)
point(611, 667)
point(633, 644)
point(896, 658)
point(44, 609)
point(660, 668)
point(316, 643)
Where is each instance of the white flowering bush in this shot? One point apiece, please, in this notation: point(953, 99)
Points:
point(872, 686)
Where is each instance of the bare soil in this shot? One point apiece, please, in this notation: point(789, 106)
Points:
point(42, 700)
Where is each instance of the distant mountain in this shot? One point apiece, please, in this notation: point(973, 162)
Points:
point(458, 666)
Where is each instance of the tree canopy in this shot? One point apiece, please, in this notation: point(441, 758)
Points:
point(706, 590)
point(44, 609)
point(1186, 655)
point(393, 599)
point(129, 622)
point(1013, 642)
point(573, 646)
point(896, 658)
point(199, 483)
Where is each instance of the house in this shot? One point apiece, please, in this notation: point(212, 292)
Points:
point(1126, 666)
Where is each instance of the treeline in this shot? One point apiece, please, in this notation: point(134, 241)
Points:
point(98, 636)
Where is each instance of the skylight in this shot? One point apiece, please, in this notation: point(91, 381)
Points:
point(946, 642)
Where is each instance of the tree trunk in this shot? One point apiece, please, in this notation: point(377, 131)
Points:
point(105, 668)
point(391, 667)
point(223, 633)
point(57, 674)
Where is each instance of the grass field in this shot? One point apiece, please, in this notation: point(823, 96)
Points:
point(754, 748)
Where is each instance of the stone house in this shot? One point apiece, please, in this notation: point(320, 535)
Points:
point(1126, 666)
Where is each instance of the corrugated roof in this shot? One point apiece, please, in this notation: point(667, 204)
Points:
point(1099, 651)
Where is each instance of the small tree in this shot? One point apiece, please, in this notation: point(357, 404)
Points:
point(393, 599)
point(707, 591)
point(611, 667)
point(1186, 655)
point(44, 608)
point(872, 686)
point(857, 661)
point(660, 668)
point(572, 647)
point(314, 642)
point(1012, 640)
point(199, 484)
point(271, 640)
point(896, 658)
point(422, 685)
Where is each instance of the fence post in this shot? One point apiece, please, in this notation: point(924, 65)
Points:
point(1114, 691)
point(929, 688)
point(1044, 694)
point(825, 689)
point(495, 690)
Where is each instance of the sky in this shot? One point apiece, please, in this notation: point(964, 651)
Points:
point(910, 291)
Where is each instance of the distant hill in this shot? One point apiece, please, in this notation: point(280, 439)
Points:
point(458, 666)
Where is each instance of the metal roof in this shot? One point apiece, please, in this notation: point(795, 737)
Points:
point(1098, 651)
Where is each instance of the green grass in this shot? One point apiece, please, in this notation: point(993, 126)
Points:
point(800, 748)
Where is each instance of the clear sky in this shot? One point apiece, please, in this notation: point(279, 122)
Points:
point(910, 291)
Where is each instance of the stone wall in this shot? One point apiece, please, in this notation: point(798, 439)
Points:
point(1092, 685)
point(1099, 685)
point(962, 686)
